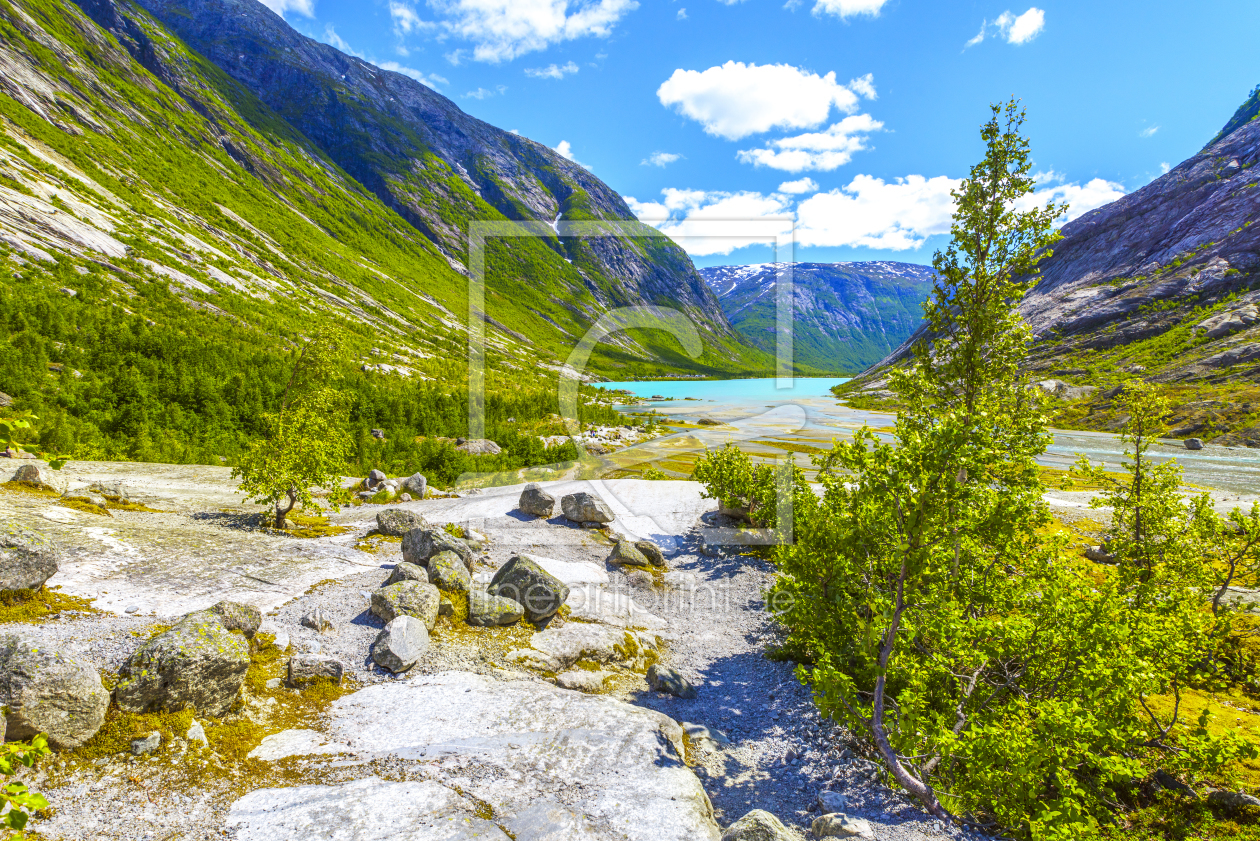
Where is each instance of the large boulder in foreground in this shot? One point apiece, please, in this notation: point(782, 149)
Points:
point(534, 500)
point(27, 559)
point(539, 592)
point(198, 662)
point(396, 522)
point(43, 691)
point(419, 545)
point(400, 644)
point(408, 598)
point(583, 507)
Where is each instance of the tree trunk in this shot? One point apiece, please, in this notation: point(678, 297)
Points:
point(282, 510)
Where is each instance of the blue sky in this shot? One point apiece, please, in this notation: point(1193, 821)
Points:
point(850, 117)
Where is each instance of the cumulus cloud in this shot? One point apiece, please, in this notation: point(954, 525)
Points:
point(660, 159)
point(1081, 198)
point(706, 222)
point(873, 213)
point(406, 21)
point(736, 99)
point(849, 8)
point(803, 185)
point(552, 71)
point(486, 93)
point(332, 39)
point(682, 14)
point(1016, 29)
point(501, 30)
point(819, 150)
point(302, 7)
point(565, 150)
point(430, 79)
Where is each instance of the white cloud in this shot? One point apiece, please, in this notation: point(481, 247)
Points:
point(737, 99)
point(501, 30)
point(552, 71)
point(1149, 131)
point(742, 217)
point(849, 8)
point(870, 212)
point(819, 150)
point(484, 93)
point(682, 14)
point(302, 7)
point(1164, 168)
point(1081, 199)
point(565, 150)
point(660, 159)
point(803, 185)
point(1016, 29)
point(334, 40)
point(430, 79)
point(406, 21)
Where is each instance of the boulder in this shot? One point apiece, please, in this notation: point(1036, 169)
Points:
point(86, 497)
point(305, 669)
point(1194, 443)
point(447, 572)
point(146, 744)
point(475, 540)
point(416, 484)
point(407, 572)
point(841, 826)
point(235, 616)
point(539, 592)
point(534, 500)
point(399, 646)
point(1232, 801)
point(44, 691)
point(582, 680)
point(395, 522)
point(1099, 554)
point(479, 447)
point(317, 621)
point(584, 507)
point(38, 476)
point(830, 802)
point(651, 551)
point(670, 681)
point(374, 480)
point(112, 491)
point(5, 400)
point(197, 733)
point(641, 579)
point(419, 545)
point(758, 825)
point(626, 554)
point(378, 434)
point(560, 649)
point(27, 558)
point(486, 611)
point(446, 607)
point(198, 662)
point(408, 598)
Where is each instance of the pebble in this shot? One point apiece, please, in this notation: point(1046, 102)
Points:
point(133, 608)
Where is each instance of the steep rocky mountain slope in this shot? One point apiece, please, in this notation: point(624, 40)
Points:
point(847, 316)
point(1163, 284)
point(207, 146)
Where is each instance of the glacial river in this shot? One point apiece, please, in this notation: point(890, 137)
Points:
point(768, 421)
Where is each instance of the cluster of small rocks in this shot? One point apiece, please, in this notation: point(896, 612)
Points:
point(412, 487)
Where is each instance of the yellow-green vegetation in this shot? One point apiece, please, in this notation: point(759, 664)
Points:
point(35, 605)
point(31, 489)
point(455, 530)
point(304, 526)
point(376, 542)
point(84, 506)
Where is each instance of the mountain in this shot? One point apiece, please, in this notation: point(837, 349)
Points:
point(847, 316)
point(1163, 284)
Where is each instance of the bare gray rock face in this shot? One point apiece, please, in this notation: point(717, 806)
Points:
point(582, 680)
point(758, 825)
point(534, 500)
point(198, 662)
point(305, 669)
point(87, 497)
point(583, 507)
point(27, 558)
point(408, 598)
point(447, 572)
point(44, 691)
point(480, 447)
point(419, 545)
point(396, 522)
point(487, 611)
point(539, 592)
point(559, 649)
point(400, 644)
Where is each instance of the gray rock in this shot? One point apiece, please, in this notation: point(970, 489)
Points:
point(479, 447)
point(39, 476)
point(559, 649)
point(146, 744)
point(1194, 443)
point(664, 679)
point(830, 802)
point(5, 400)
point(841, 826)
point(404, 497)
point(485, 610)
point(112, 491)
point(448, 572)
point(539, 592)
point(625, 554)
point(419, 545)
point(1099, 554)
point(198, 662)
point(317, 621)
point(585, 507)
point(1232, 800)
point(86, 497)
point(408, 598)
point(651, 551)
point(44, 691)
point(475, 540)
point(235, 616)
point(27, 558)
point(446, 607)
point(399, 646)
point(374, 479)
point(416, 484)
point(759, 826)
point(404, 571)
point(197, 733)
point(395, 522)
point(378, 434)
point(534, 500)
point(305, 669)
point(582, 680)
point(641, 579)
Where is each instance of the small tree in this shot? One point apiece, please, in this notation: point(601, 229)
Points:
point(22, 425)
point(307, 444)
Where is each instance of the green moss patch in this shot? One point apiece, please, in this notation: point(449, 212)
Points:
point(36, 605)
